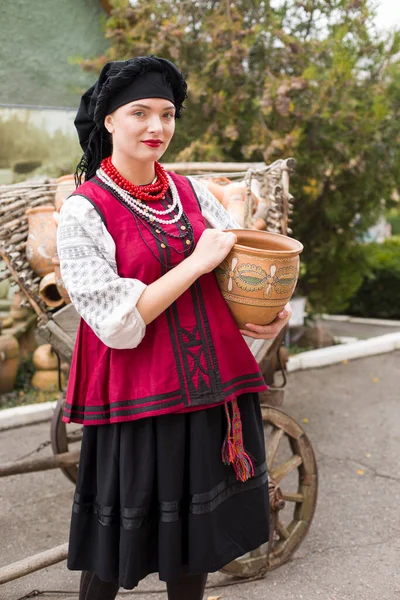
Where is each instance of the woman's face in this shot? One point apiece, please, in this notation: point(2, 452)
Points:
point(142, 130)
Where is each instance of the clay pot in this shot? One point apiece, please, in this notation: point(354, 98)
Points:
point(18, 312)
point(48, 291)
point(47, 380)
point(59, 281)
point(9, 361)
point(217, 186)
point(260, 224)
point(65, 187)
point(235, 191)
point(45, 358)
point(41, 243)
point(236, 209)
point(259, 275)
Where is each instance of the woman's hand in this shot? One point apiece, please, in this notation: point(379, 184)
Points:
point(213, 246)
point(268, 332)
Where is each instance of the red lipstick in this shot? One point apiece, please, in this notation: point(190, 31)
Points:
point(152, 143)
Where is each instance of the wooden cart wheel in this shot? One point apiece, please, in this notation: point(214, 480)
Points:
point(64, 437)
point(293, 485)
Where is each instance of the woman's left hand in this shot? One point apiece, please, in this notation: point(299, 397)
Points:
point(268, 332)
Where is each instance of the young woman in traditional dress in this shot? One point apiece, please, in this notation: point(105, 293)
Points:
point(172, 474)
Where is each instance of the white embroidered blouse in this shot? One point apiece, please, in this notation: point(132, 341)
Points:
point(86, 250)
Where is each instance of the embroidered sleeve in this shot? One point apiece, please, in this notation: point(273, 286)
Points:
point(104, 300)
point(212, 210)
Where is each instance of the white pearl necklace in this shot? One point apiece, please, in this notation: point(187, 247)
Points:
point(137, 205)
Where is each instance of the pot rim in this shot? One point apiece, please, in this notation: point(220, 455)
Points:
point(43, 207)
point(293, 252)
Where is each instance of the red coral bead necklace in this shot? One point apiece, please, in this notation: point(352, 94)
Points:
point(151, 192)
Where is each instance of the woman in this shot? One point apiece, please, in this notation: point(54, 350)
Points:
point(172, 476)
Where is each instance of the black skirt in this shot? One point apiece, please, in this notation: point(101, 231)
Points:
point(153, 495)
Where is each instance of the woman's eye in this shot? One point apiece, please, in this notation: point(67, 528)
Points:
point(169, 115)
point(138, 113)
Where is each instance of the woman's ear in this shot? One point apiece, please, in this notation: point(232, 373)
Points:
point(108, 124)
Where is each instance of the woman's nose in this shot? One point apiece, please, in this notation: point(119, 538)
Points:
point(155, 124)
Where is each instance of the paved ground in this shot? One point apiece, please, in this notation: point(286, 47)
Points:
point(352, 551)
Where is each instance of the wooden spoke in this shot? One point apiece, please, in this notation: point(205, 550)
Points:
point(286, 468)
point(74, 437)
point(272, 445)
point(292, 497)
point(296, 458)
point(282, 531)
point(60, 440)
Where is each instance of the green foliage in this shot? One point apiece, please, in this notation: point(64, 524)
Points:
point(393, 217)
point(27, 148)
point(379, 294)
point(311, 79)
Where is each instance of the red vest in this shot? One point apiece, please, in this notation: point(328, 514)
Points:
point(191, 357)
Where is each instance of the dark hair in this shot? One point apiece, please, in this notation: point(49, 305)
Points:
point(93, 136)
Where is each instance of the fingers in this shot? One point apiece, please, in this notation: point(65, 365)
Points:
point(268, 332)
point(230, 239)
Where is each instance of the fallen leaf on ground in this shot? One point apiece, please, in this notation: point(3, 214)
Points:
point(360, 472)
point(345, 362)
point(305, 420)
point(214, 597)
point(375, 380)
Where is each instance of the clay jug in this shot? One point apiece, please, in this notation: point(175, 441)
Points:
point(217, 186)
point(259, 275)
point(9, 361)
point(44, 358)
point(41, 243)
point(45, 377)
point(48, 291)
point(65, 187)
point(59, 281)
point(18, 312)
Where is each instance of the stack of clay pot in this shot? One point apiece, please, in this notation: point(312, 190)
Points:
point(41, 246)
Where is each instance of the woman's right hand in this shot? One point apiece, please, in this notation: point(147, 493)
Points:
point(213, 246)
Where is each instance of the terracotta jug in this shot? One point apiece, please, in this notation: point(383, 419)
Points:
point(65, 187)
point(217, 186)
point(259, 275)
point(44, 358)
point(18, 312)
point(59, 281)
point(48, 291)
point(9, 361)
point(41, 243)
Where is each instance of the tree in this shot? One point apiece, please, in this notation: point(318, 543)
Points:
point(311, 79)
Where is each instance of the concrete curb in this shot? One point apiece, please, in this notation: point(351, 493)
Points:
point(336, 354)
point(36, 413)
point(26, 415)
point(361, 320)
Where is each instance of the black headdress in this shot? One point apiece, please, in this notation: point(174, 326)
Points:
point(115, 87)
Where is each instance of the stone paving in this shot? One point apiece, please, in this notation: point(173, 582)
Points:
point(352, 551)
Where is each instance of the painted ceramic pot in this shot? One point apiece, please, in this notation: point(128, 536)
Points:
point(259, 275)
point(41, 243)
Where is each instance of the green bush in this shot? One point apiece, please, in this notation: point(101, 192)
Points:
point(393, 217)
point(379, 294)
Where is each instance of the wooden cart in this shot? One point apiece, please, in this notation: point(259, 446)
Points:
point(290, 458)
